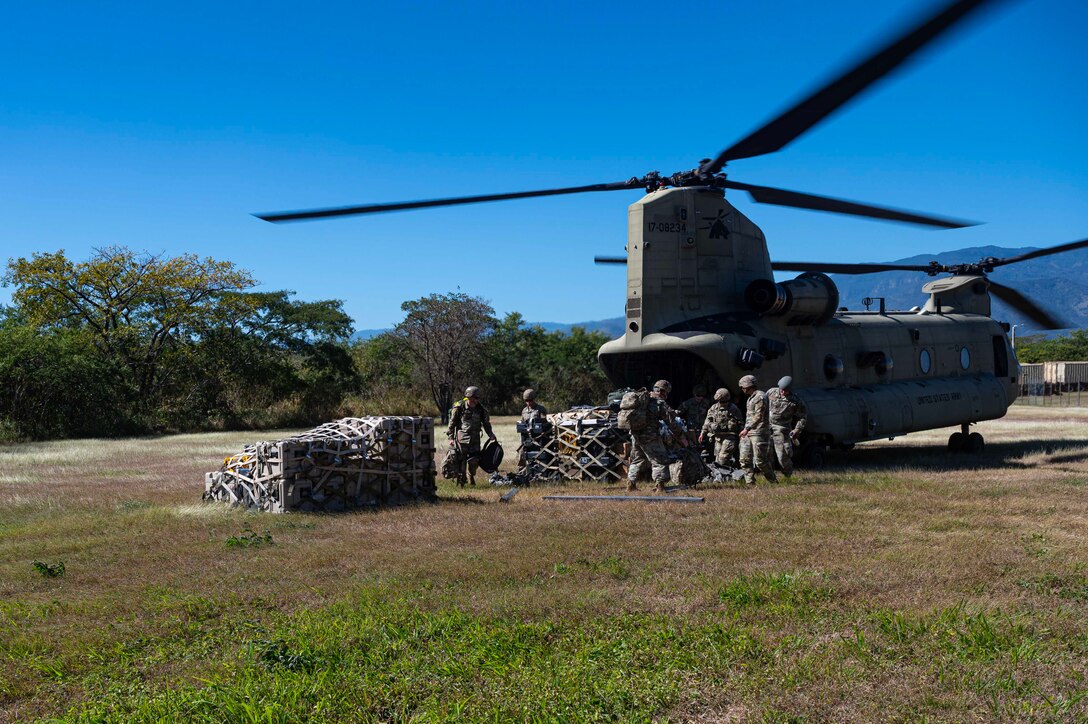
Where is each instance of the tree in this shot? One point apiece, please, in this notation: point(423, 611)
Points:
point(443, 334)
point(136, 305)
point(1072, 347)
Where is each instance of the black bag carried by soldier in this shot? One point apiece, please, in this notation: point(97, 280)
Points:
point(490, 456)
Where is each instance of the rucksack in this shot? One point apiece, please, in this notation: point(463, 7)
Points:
point(634, 411)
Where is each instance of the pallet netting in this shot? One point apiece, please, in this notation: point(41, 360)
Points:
point(356, 462)
point(586, 445)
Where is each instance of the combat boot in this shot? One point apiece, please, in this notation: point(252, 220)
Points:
point(659, 489)
point(631, 487)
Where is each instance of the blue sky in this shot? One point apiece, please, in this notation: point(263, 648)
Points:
point(163, 126)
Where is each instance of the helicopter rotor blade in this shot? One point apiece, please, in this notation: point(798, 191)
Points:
point(834, 268)
point(610, 260)
point(783, 129)
point(797, 199)
point(282, 216)
point(1025, 306)
point(1042, 252)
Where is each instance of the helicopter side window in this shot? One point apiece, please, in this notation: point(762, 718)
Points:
point(1001, 357)
point(965, 358)
point(925, 361)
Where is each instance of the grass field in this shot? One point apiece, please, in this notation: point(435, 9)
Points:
point(902, 583)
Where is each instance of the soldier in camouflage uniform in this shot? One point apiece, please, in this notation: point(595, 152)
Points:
point(755, 436)
point(787, 416)
point(693, 411)
point(647, 445)
point(530, 413)
point(467, 419)
point(723, 422)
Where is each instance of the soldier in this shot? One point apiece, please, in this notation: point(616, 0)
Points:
point(467, 419)
point(530, 414)
point(755, 436)
point(647, 444)
point(787, 416)
point(694, 411)
point(723, 422)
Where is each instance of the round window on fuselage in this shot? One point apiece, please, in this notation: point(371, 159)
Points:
point(965, 358)
point(925, 361)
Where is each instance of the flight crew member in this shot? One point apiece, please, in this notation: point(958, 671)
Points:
point(467, 419)
point(723, 422)
point(647, 444)
point(532, 412)
point(755, 436)
point(693, 411)
point(787, 414)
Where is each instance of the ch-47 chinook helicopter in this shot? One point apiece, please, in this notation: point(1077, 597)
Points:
point(702, 305)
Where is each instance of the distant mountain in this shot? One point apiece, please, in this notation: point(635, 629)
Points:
point(1058, 283)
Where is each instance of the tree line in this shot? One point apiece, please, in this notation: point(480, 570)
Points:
point(129, 343)
point(1071, 347)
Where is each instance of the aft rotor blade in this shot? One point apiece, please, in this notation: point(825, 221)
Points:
point(796, 199)
point(281, 216)
point(1025, 306)
point(609, 260)
point(835, 268)
point(826, 100)
point(1042, 252)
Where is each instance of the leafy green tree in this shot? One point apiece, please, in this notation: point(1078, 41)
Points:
point(1072, 347)
point(135, 305)
point(567, 369)
point(58, 384)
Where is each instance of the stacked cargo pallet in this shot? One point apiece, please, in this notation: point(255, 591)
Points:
point(356, 462)
point(586, 445)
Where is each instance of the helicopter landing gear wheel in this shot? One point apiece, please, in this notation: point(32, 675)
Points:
point(974, 444)
point(956, 442)
point(813, 456)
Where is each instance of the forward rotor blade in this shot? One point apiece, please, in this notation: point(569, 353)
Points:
point(796, 199)
point(1042, 252)
point(834, 268)
point(826, 100)
point(609, 260)
point(281, 216)
point(1025, 306)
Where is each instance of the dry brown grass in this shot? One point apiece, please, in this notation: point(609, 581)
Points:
point(897, 526)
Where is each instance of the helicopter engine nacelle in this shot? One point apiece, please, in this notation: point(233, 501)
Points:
point(811, 298)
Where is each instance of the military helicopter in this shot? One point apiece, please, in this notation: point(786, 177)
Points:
point(703, 306)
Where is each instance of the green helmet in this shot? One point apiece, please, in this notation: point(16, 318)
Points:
point(699, 390)
point(722, 395)
point(472, 392)
point(663, 386)
point(529, 394)
point(748, 381)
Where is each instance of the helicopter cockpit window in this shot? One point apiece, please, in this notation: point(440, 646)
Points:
point(965, 358)
point(884, 365)
point(925, 362)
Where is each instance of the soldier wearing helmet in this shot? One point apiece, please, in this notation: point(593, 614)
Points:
point(647, 445)
point(533, 427)
point(723, 423)
point(467, 419)
point(694, 410)
point(755, 436)
point(787, 415)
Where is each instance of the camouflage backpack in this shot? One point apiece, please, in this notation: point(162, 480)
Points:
point(634, 411)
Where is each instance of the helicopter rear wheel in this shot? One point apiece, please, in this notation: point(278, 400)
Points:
point(956, 442)
point(974, 444)
point(813, 456)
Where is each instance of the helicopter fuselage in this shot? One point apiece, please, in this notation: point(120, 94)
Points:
point(703, 308)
